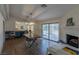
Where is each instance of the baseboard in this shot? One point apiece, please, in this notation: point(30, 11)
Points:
point(63, 42)
point(52, 40)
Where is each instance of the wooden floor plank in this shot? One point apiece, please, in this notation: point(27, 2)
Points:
point(18, 46)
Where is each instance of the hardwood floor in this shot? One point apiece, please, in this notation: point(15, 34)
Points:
point(18, 46)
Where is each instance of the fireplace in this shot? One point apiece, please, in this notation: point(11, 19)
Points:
point(73, 40)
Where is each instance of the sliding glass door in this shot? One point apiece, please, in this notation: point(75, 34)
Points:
point(45, 30)
point(54, 32)
point(51, 31)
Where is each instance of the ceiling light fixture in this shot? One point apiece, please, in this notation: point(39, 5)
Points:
point(44, 5)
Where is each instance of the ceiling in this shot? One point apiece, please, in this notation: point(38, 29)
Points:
point(35, 11)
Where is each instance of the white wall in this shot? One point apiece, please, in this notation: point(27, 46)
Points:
point(73, 30)
point(10, 24)
point(1, 33)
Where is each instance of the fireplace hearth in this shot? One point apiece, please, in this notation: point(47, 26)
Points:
point(73, 40)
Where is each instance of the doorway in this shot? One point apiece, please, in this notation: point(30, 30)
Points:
point(51, 31)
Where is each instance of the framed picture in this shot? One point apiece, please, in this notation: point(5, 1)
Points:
point(70, 22)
